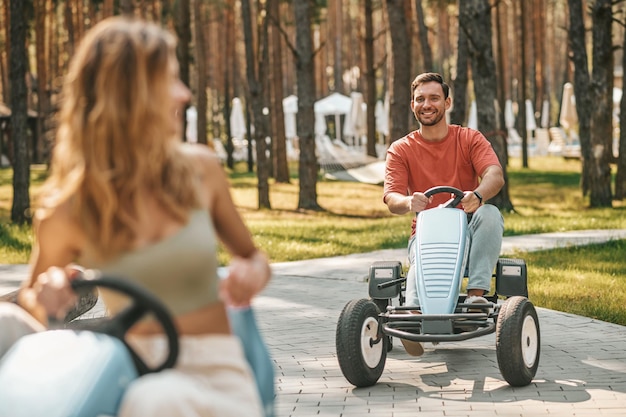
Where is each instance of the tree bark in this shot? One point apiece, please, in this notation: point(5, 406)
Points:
point(602, 112)
point(279, 141)
point(200, 60)
point(593, 129)
point(620, 176)
point(427, 54)
point(400, 79)
point(459, 91)
point(370, 79)
point(476, 17)
point(17, 76)
point(183, 32)
point(256, 73)
point(305, 80)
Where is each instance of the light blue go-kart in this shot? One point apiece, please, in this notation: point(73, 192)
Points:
point(84, 369)
point(366, 326)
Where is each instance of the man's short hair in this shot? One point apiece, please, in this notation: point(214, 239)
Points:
point(427, 77)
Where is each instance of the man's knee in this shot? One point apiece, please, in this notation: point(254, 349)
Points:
point(489, 217)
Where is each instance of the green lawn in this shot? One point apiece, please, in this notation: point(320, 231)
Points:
point(590, 281)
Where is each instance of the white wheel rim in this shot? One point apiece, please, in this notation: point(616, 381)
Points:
point(371, 352)
point(530, 341)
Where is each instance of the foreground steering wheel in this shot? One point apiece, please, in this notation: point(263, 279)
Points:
point(142, 303)
point(458, 194)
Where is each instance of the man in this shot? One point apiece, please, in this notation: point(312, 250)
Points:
point(442, 154)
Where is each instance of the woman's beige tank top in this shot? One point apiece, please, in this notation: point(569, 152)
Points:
point(181, 270)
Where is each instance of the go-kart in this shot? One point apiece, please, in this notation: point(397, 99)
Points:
point(367, 326)
point(83, 369)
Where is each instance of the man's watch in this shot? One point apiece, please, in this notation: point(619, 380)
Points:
point(480, 197)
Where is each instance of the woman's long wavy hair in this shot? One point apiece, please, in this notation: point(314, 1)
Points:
point(115, 142)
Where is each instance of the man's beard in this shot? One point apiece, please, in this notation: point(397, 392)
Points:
point(433, 122)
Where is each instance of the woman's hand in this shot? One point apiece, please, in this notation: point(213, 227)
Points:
point(54, 292)
point(246, 277)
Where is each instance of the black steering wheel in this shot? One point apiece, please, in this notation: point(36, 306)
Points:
point(458, 194)
point(142, 303)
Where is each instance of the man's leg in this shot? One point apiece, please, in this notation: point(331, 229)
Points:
point(412, 348)
point(411, 288)
point(15, 322)
point(485, 230)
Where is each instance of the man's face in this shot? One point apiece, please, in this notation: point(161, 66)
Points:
point(429, 104)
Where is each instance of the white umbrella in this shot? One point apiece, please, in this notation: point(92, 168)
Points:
point(472, 120)
point(568, 117)
point(358, 115)
point(237, 120)
point(290, 109)
point(531, 124)
point(382, 118)
point(545, 114)
point(191, 132)
point(509, 117)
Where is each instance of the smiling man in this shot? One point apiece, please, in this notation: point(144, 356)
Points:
point(441, 154)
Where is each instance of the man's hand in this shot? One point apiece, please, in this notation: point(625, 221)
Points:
point(418, 202)
point(470, 202)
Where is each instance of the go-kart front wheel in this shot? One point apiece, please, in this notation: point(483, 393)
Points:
point(518, 341)
point(361, 348)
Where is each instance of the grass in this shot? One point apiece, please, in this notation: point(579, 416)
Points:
point(546, 196)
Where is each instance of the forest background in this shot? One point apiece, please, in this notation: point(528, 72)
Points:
point(261, 51)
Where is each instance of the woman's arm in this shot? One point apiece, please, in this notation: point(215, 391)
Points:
point(249, 270)
point(47, 292)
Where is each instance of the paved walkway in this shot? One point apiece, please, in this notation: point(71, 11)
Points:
point(582, 371)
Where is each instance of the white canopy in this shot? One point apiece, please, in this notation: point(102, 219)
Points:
point(333, 104)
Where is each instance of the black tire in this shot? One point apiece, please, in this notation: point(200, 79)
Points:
point(360, 352)
point(518, 341)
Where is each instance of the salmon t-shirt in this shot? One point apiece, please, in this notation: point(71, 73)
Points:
point(415, 165)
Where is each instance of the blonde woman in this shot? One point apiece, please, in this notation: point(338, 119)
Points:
point(125, 196)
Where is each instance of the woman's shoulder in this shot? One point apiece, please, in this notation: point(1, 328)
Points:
point(200, 155)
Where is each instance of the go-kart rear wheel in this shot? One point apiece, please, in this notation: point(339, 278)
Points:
point(361, 348)
point(518, 341)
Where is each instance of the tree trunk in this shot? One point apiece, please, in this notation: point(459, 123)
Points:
point(475, 17)
point(200, 60)
point(183, 32)
point(400, 79)
point(5, 51)
point(522, 85)
point(41, 47)
point(581, 85)
point(126, 7)
point(305, 80)
point(17, 76)
point(602, 111)
point(370, 79)
point(256, 72)
point(459, 99)
point(501, 68)
point(279, 142)
point(620, 177)
point(427, 54)
point(230, 78)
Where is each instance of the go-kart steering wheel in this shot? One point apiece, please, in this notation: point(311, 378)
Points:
point(143, 302)
point(447, 189)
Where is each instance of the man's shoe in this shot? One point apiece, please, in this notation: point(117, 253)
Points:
point(412, 348)
point(476, 299)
